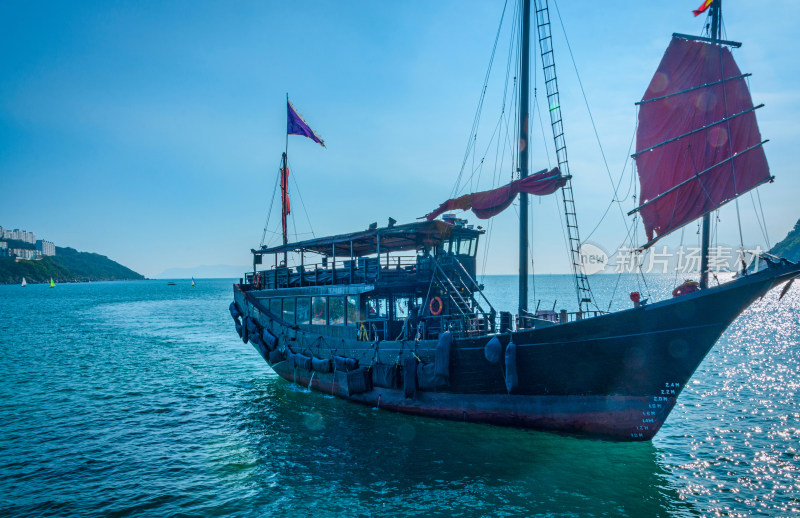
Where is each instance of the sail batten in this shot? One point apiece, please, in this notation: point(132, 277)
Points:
point(698, 130)
point(697, 177)
point(766, 180)
point(486, 204)
point(698, 145)
point(740, 76)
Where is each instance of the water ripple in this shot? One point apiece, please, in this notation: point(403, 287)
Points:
point(136, 398)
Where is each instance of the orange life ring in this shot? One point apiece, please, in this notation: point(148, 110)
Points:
point(436, 309)
point(257, 281)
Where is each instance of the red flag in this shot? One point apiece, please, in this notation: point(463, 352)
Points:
point(702, 8)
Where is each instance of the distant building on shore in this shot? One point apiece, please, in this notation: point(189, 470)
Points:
point(21, 235)
point(25, 253)
point(45, 247)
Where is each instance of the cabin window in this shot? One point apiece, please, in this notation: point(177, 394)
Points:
point(288, 310)
point(460, 246)
point(336, 310)
point(401, 308)
point(377, 308)
point(448, 246)
point(275, 306)
point(352, 310)
point(319, 310)
point(303, 310)
point(467, 246)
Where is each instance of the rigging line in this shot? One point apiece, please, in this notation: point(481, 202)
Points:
point(530, 250)
point(637, 275)
point(531, 207)
point(644, 280)
point(761, 207)
point(680, 248)
point(474, 146)
point(715, 240)
point(300, 195)
point(513, 144)
point(269, 213)
point(476, 120)
point(294, 227)
point(498, 126)
point(561, 218)
point(634, 241)
point(486, 248)
point(615, 198)
point(628, 239)
point(538, 109)
point(588, 109)
point(276, 233)
point(762, 221)
point(479, 170)
point(730, 149)
point(501, 143)
point(496, 178)
point(490, 225)
point(512, 65)
point(496, 133)
point(613, 293)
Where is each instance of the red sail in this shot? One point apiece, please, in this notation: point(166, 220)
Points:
point(486, 204)
point(697, 144)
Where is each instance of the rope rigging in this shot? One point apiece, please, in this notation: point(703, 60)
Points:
point(276, 232)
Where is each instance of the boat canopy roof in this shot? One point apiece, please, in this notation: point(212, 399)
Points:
point(396, 238)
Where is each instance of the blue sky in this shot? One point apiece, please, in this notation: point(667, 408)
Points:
point(152, 132)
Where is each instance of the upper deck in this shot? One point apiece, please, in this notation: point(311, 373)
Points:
point(392, 256)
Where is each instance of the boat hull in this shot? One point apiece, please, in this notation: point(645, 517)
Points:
point(615, 376)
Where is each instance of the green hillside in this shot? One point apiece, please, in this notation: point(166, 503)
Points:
point(93, 267)
point(790, 246)
point(68, 265)
point(12, 272)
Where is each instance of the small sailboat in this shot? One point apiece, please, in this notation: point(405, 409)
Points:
point(52, 284)
point(24, 282)
point(193, 285)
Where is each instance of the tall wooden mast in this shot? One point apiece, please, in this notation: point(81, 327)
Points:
point(284, 187)
point(523, 155)
point(716, 29)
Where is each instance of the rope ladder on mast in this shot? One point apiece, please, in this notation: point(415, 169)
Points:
point(545, 38)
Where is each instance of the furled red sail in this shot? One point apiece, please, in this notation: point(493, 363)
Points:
point(697, 145)
point(285, 204)
point(486, 204)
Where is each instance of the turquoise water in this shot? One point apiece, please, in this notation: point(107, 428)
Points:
point(138, 398)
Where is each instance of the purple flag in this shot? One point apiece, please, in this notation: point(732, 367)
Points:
point(297, 126)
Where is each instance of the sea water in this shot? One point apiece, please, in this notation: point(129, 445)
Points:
point(139, 399)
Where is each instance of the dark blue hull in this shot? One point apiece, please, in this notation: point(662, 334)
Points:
point(616, 375)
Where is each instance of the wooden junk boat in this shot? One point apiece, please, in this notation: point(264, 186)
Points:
point(393, 317)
